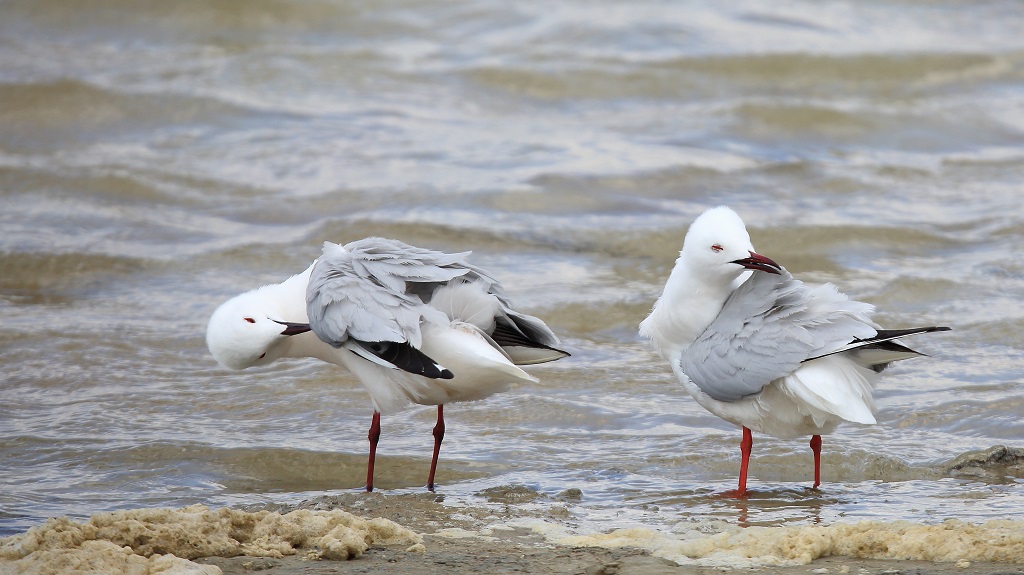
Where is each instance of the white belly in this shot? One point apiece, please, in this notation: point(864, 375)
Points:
point(479, 371)
point(813, 400)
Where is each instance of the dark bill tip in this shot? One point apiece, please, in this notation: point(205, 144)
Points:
point(759, 263)
point(293, 328)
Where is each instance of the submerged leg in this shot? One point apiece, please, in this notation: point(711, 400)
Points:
point(438, 436)
point(816, 448)
point(746, 445)
point(373, 436)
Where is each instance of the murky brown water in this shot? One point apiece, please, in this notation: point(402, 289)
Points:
point(156, 159)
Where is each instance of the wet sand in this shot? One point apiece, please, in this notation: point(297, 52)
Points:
point(417, 534)
point(452, 548)
point(523, 556)
point(510, 529)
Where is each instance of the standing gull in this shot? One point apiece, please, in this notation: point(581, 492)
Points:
point(763, 350)
point(413, 326)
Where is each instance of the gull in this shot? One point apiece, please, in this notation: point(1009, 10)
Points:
point(763, 350)
point(414, 326)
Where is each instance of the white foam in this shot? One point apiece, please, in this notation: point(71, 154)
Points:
point(717, 544)
point(163, 540)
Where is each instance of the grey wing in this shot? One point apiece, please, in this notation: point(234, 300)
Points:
point(349, 307)
point(343, 306)
point(767, 327)
point(401, 267)
point(376, 288)
point(524, 339)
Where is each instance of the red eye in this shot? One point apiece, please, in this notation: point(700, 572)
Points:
point(249, 319)
point(716, 248)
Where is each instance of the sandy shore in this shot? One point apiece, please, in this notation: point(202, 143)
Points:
point(473, 558)
point(525, 553)
point(454, 546)
point(418, 534)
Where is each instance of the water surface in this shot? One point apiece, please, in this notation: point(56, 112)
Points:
point(157, 159)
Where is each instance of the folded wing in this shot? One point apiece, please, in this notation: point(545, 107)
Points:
point(358, 297)
point(767, 327)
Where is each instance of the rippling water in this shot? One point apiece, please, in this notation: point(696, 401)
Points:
point(157, 158)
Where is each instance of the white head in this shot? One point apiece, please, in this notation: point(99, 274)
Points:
point(718, 245)
point(715, 255)
point(249, 330)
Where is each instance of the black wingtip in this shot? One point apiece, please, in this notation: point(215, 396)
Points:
point(896, 333)
point(521, 334)
point(407, 358)
point(885, 339)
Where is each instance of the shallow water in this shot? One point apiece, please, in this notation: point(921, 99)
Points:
point(156, 160)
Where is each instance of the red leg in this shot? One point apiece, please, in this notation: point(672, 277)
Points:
point(746, 445)
point(373, 436)
point(816, 448)
point(438, 436)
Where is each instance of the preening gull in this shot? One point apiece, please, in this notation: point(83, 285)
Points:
point(414, 326)
point(763, 350)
